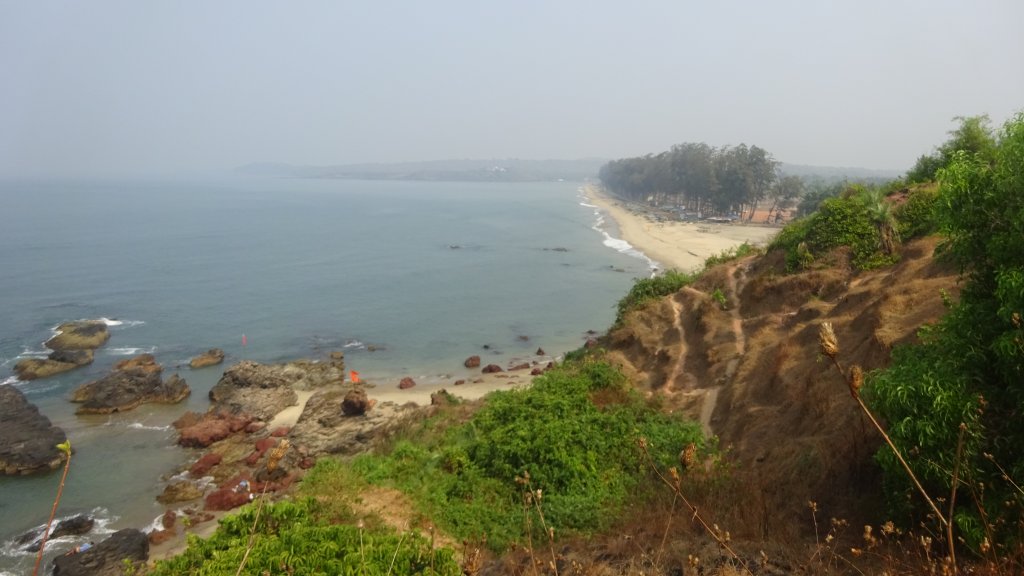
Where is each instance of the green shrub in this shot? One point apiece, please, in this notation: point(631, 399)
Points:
point(645, 290)
point(734, 253)
point(573, 433)
point(916, 217)
point(291, 539)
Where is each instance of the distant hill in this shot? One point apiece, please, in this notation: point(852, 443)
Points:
point(506, 170)
point(838, 173)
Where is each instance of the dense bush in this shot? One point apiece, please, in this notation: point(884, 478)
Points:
point(916, 217)
point(573, 435)
point(970, 370)
point(290, 538)
point(645, 290)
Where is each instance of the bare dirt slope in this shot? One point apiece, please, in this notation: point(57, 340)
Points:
point(752, 374)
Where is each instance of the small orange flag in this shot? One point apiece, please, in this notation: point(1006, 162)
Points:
point(354, 376)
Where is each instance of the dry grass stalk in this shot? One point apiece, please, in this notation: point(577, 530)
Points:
point(272, 462)
point(714, 532)
point(830, 347)
point(65, 448)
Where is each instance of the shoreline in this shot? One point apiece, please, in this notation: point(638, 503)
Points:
point(683, 246)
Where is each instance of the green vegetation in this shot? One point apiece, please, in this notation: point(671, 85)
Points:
point(974, 136)
point(295, 538)
point(570, 440)
point(646, 290)
point(706, 180)
point(954, 403)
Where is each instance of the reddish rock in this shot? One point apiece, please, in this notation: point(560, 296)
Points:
point(522, 366)
point(355, 403)
point(280, 432)
point(406, 383)
point(307, 462)
point(460, 382)
point(158, 537)
point(536, 372)
point(541, 352)
point(204, 464)
point(472, 362)
point(226, 499)
point(169, 519)
point(491, 369)
point(211, 428)
point(261, 448)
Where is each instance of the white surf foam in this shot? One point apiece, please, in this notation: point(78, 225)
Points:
point(111, 322)
point(9, 380)
point(131, 351)
point(141, 426)
point(354, 344)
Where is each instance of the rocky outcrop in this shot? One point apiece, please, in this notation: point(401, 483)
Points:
point(28, 440)
point(57, 362)
point(472, 362)
point(79, 335)
point(132, 382)
point(492, 369)
point(211, 357)
point(263, 390)
point(108, 558)
point(406, 383)
point(323, 427)
point(180, 491)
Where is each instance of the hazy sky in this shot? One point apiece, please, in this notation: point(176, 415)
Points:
point(100, 88)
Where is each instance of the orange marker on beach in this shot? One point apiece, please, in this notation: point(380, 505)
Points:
point(354, 376)
point(244, 341)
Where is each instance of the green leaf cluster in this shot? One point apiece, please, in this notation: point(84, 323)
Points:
point(970, 368)
point(573, 433)
point(292, 538)
point(645, 290)
point(857, 220)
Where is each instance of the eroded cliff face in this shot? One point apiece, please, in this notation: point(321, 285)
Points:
point(751, 370)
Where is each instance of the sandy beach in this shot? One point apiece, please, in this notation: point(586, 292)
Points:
point(680, 245)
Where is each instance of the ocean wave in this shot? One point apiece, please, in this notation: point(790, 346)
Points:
point(9, 380)
point(141, 426)
point(588, 205)
point(131, 351)
point(111, 322)
point(101, 527)
point(354, 344)
point(27, 352)
point(623, 247)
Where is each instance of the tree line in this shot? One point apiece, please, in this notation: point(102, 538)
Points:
point(703, 179)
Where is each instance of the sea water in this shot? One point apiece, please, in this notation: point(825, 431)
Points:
point(408, 278)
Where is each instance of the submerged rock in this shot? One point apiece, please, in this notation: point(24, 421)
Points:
point(28, 440)
point(133, 382)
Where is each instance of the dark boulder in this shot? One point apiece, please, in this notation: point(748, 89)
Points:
point(355, 403)
point(472, 362)
point(492, 369)
point(28, 440)
point(108, 558)
point(406, 383)
point(132, 382)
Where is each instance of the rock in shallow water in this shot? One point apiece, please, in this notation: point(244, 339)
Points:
point(133, 382)
point(108, 558)
point(28, 440)
point(211, 357)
